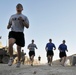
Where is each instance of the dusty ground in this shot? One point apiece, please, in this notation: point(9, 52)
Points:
point(37, 70)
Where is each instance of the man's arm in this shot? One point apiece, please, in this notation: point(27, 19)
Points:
point(36, 47)
point(28, 47)
point(46, 48)
point(9, 23)
point(59, 48)
point(9, 26)
point(25, 22)
point(54, 47)
point(66, 49)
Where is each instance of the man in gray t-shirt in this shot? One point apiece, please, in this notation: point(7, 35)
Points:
point(17, 22)
point(32, 48)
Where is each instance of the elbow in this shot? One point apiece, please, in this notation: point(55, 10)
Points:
point(54, 48)
point(27, 26)
point(8, 27)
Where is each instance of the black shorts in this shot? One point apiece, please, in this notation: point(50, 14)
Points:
point(31, 53)
point(50, 53)
point(18, 36)
point(62, 54)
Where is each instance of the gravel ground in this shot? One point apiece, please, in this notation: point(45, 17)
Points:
point(37, 70)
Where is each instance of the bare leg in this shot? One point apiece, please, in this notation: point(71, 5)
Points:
point(23, 60)
point(51, 59)
point(64, 60)
point(11, 43)
point(48, 58)
point(60, 59)
point(32, 60)
point(19, 52)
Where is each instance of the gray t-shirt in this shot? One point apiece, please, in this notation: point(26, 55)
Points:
point(17, 25)
point(32, 47)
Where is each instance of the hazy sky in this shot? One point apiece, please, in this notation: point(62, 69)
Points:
point(54, 19)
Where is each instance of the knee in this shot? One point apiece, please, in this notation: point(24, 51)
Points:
point(48, 56)
point(18, 48)
point(10, 44)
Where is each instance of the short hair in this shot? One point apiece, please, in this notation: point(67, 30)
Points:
point(19, 5)
point(50, 39)
point(32, 40)
point(64, 41)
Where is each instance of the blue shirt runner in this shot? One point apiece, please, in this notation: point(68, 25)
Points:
point(63, 47)
point(50, 46)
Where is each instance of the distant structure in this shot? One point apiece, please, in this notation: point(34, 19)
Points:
point(4, 53)
point(72, 59)
point(1, 45)
point(4, 58)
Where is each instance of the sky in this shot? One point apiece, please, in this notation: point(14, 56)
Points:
point(55, 19)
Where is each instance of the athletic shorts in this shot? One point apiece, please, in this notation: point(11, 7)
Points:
point(31, 53)
point(50, 53)
point(18, 36)
point(62, 54)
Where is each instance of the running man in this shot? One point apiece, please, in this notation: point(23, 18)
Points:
point(39, 59)
point(31, 48)
point(17, 22)
point(23, 57)
point(62, 49)
point(49, 49)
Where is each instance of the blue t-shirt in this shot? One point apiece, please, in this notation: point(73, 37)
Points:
point(50, 46)
point(63, 47)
